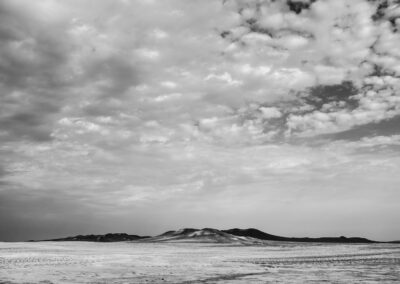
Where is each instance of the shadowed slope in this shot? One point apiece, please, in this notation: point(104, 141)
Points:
point(118, 237)
point(207, 235)
point(254, 233)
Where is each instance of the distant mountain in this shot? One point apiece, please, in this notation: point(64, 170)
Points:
point(118, 237)
point(254, 233)
point(209, 235)
point(206, 235)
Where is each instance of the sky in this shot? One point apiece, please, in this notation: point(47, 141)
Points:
point(145, 116)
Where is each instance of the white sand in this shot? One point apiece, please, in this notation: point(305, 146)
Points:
point(84, 262)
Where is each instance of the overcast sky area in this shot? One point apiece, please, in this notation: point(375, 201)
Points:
point(145, 116)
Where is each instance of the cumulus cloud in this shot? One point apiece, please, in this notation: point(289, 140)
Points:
point(270, 112)
point(112, 105)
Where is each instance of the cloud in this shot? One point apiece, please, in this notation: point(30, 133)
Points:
point(144, 107)
point(369, 105)
point(270, 112)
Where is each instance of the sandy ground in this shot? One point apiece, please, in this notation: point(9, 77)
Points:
point(82, 262)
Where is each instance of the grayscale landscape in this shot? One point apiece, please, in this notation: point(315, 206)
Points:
point(198, 256)
point(199, 141)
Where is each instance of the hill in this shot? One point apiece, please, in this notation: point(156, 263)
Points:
point(254, 233)
point(206, 235)
point(118, 237)
point(209, 235)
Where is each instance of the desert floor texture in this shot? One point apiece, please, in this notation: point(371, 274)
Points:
point(134, 262)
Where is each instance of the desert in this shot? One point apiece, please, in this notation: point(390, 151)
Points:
point(198, 257)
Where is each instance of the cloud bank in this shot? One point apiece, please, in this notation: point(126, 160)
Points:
point(147, 115)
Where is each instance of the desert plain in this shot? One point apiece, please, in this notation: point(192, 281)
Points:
point(196, 262)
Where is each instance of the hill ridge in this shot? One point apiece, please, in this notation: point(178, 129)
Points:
point(206, 235)
point(235, 235)
point(109, 237)
point(255, 233)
